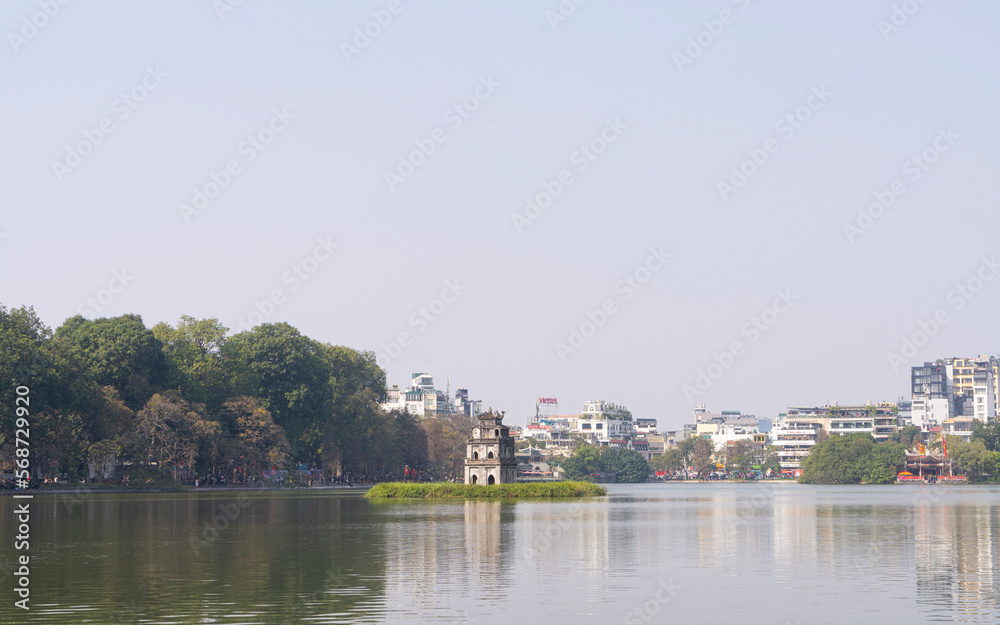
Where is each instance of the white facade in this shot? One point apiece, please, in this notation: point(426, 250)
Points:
point(732, 434)
point(602, 421)
point(603, 409)
point(794, 439)
point(423, 400)
point(645, 426)
point(984, 401)
point(602, 430)
point(928, 413)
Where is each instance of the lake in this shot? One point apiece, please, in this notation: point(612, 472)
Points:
point(776, 553)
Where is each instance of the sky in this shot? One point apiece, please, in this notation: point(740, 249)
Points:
point(751, 205)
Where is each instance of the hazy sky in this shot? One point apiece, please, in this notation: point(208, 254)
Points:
point(198, 158)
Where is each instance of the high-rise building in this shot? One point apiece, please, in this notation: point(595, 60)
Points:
point(954, 387)
point(931, 394)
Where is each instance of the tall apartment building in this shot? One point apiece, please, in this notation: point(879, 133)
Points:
point(975, 381)
point(954, 387)
point(931, 395)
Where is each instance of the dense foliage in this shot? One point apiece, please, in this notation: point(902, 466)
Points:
point(192, 399)
point(978, 459)
point(853, 459)
point(393, 490)
point(625, 465)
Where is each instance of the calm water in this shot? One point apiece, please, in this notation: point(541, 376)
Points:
point(685, 553)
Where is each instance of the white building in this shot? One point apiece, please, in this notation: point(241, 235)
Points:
point(726, 434)
point(423, 400)
point(645, 426)
point(602, 421)
point(795, 434)
point(926, 413)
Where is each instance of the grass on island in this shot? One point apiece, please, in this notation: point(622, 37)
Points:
point(399, 490)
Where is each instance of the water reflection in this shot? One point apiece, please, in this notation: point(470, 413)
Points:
point(738, 553)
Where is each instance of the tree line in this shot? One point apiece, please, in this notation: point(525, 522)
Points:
point(193, 399)
point(857, 458)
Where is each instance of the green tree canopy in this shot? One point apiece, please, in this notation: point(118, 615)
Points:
point(626, 464)
point(848, 459)
point(119, 352)
point(291, 378)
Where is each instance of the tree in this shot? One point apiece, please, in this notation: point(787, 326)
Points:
point(838, 460)
point(670, 460)
point(23, 362)
point(119, 352)
point(907, 436)
point(884, 462)
point(194, 353)
point(259, 441)
point(973, 458)
point(357, 429)
point(446, 444)
point(988, 433)
point(742, 456)
point(169, 431)
point(584, 461)
point(287, 372)
point(701, 456)
point(627, 465)
point(771, 462)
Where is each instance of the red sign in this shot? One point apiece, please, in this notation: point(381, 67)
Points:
point(547, 400)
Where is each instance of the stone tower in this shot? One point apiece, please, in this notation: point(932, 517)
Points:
point(489, 455)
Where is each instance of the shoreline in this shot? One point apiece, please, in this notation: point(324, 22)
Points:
point(105, 489)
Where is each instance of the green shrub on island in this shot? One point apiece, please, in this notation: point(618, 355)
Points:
point(435, 490)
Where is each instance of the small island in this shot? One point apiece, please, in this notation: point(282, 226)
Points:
point(444, 490)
